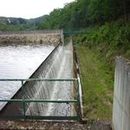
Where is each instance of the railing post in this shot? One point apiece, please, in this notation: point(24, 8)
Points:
point(78, 101)
point(22, 82)
point(24, 110)
point(22, 85)
point(23, 102)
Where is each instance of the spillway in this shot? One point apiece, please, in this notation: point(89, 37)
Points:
point(58, 65)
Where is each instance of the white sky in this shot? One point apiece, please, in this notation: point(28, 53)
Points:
point(29, 8)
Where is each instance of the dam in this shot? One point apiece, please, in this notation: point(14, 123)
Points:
point(52, 91)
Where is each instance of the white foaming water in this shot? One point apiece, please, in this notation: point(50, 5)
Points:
point(61, 67)
point(19, 62)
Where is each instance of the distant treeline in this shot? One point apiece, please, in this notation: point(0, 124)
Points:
point(20, 24)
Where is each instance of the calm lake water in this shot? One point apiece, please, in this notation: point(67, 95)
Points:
point(19, 62)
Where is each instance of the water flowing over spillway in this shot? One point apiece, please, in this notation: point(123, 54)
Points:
point(61, 68)
point(59, 65)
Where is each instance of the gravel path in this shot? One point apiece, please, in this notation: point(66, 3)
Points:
point(44, 125)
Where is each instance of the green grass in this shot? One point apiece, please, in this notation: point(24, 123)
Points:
point(97, 82)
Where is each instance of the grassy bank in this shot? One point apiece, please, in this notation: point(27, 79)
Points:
point(97, 84)
point(96, 50)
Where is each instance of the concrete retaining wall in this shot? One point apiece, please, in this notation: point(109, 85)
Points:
point(47, 37)
point(121, 106)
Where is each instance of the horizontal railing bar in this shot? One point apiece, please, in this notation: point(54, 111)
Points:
point(38, 79)
point(41, 117)
point(38, 100)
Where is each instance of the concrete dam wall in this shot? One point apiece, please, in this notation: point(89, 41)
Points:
point(42, 37)
point(121, 104)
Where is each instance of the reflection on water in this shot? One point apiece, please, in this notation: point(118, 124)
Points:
point(19, 62)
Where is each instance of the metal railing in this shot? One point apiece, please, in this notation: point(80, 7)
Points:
point(23, 103)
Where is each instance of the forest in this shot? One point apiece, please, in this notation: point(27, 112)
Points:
point(81, 14)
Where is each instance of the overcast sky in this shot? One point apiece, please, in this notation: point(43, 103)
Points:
point(29, 8)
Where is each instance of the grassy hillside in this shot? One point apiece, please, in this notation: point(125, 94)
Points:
point(97, 83)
